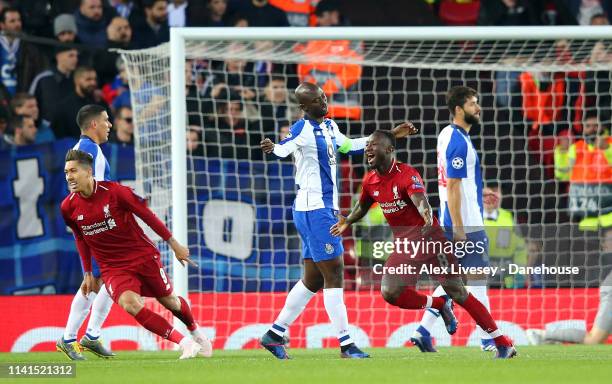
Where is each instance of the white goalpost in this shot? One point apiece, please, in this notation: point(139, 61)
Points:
point(232, 205)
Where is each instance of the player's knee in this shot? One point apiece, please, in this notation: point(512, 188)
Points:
point(131, 303)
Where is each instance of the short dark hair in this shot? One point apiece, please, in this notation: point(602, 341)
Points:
point(388, 135)
point(81, 157)
point(326, 6)
point(7, 10)
point(82, 70)
point(87, 113)
point(458, 96)
point(150, 3)
point(20, 99)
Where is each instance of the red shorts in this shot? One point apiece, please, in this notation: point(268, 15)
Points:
point(147, 279)
point(438, 264)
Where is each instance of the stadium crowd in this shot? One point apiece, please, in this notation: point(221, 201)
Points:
point(57, 56)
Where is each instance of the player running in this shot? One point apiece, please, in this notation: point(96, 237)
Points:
point(461, 209)
point(602, 326)
point(101, 216)
point(399, 191)
point(314, 141)
point(95, 127)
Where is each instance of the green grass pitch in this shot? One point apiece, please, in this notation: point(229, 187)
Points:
point(545, 364)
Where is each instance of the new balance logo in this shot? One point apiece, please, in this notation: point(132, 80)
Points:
point(79, 217)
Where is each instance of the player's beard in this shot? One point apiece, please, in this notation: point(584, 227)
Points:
point(471, 119)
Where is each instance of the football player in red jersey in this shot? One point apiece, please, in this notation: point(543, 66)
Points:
point(101, 216)
point(399, 190)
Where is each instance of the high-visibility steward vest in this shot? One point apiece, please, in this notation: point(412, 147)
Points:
point(562, 164)
point(504, 243)
point(337, 77)
point(300, 13)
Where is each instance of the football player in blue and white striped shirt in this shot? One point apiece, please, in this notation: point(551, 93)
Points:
point(314, 141)
point(460, 187)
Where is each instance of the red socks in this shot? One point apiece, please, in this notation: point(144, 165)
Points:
point(185, 315)
point(411, 299)
point(483, 318)
point(158, 325)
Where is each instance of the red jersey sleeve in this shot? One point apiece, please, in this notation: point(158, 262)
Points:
point(131, 202)
point(415, 183)
point(82, 247)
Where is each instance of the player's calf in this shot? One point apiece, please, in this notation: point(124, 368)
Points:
point(131, 302)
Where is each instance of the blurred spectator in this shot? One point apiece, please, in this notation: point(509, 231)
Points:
point(53, 85)
point(507, 12)
point(83, 92)
point(233, 76)
point(260, 13)
point(24, 130)
point(25, 105)
point(153, 30)
point(20, 61)
point(123, 8)
point(543, 99)
point(123, 127)
point(300, 13)
point(117, 93)
point(234, 137)
point(118, 36)
point(555, 12)
point(35, 16)
point(338, 81)
point(216, 13)
point(596, 92)
point(505, 245)
point(6, 142)
point(91, 20)
point(562, 160)
point(65, 29)
point(599, 19)
point(182, 13)
point(194, 141)
point(591, 177)
point(273, 105)
point(585, 10)
point(327, 14)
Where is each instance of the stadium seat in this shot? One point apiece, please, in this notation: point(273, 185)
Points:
point(459, 12)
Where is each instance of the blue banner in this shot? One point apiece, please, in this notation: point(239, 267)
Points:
point(240, 225)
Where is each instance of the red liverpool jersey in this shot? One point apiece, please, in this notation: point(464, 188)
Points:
point(392, 192)
point(104, 226)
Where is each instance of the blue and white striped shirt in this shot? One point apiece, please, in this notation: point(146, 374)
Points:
point(314, 147)
point(101, 168)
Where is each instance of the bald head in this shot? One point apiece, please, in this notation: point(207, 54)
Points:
point(312, 100)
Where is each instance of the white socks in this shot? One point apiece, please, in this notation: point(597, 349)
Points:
point(79, 309)
point(99, 312)
point(333, 298)
point(296, 301)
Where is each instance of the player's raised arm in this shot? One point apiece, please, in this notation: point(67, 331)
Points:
point(138, 206)
point(350, 146)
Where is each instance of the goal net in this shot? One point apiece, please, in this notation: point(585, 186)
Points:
point(201, 106)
